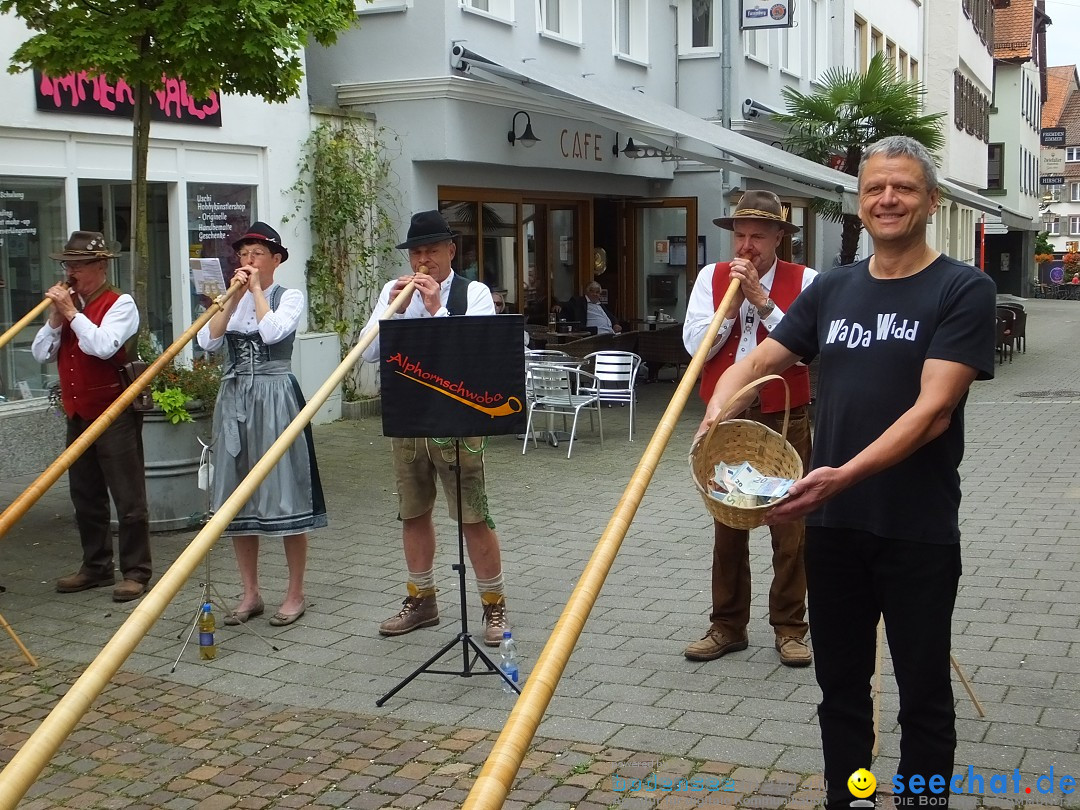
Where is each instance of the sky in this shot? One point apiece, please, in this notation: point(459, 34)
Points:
point(1062, 37)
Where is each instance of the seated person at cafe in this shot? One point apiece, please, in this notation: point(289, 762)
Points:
point(589, 313)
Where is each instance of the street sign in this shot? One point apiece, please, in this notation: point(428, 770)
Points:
point(1052, 180)
point(1052, 136)
point(1051, 161)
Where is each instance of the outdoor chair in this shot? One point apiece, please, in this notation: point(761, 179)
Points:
point(616, 377)
point(1003, 336)
point(555, 389)
point(1019, 325)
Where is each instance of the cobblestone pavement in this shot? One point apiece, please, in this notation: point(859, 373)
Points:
point(298, 726)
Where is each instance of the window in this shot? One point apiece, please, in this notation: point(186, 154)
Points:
point(994, 170)
point(699, 27)
point(791, 50)
point(631, 30)
point(890, 53)
point(1072, 153)
point(1053, 226)
point(498, 9)
point(1074, 226)
point(756, 44)
point(860, 45)
point(379, 6)
point(914, 70)
point(561, 19)
point(1074, 192)
point(875, 42)
point(818, 40)
point(902, 64)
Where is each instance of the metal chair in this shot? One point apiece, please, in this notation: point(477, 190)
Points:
point(553, 392)
point(616, 375)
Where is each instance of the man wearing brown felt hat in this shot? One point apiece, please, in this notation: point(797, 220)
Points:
point(767, 287)
point(89, 323)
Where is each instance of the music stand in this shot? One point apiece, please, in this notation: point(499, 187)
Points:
point(453, 377)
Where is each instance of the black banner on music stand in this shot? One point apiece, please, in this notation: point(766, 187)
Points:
point(453, 377)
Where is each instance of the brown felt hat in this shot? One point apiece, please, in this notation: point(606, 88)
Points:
point(85, 246)
point(761, 205)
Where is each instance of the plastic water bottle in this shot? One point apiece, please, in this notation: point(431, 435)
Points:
point(207, 647)
point(509, 663)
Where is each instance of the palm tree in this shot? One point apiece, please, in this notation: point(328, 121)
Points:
point(848, 113)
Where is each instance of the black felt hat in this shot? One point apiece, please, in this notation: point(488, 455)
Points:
point(426, 228)
point(261, 233)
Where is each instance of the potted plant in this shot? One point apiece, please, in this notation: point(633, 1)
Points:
point(174, 435)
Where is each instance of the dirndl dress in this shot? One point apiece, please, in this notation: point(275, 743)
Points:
point(259, 397)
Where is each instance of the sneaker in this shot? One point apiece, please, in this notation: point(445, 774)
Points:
point(714, 645)
point(494, 623)
point(82, 581)
point(416, 612)
point(794, 651)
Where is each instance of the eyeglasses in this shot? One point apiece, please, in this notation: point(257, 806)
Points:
point(253, 253)
point(76, 266)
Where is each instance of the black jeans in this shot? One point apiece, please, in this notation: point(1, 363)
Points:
point(853, 577)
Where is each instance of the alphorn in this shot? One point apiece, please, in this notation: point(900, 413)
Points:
point(41, 746)
point(25, 320)
point(41, 484)
point(502, 764)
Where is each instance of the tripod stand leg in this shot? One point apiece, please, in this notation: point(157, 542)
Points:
point(191, 632)
point(422, 668)
point(18, 643)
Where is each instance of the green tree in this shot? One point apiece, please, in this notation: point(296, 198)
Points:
point(1043, 245)
point(850, 112)
point(244, 47)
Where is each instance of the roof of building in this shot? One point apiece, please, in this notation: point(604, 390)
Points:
point(1060, 82)
point(1070, 118)
point(1014, 28)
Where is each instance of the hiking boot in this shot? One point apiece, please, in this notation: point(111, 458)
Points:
point(127, 590)
point(416, 612)
point(495, 623)
point(794, 651)
point(82, 581)
point(714, 645)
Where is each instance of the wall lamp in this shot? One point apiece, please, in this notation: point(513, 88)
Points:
point(526, 138)
point(634, 151)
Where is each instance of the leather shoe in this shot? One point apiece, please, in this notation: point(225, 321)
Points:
point(416, 612)
point(714, 645)
point(280, 619)
point(128, 589)
point(236, 617)
point(83, 581)
point(794, 651)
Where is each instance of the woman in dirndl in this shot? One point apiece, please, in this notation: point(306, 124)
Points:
point(259, 397)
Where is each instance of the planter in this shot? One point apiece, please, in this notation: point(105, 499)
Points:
point(171, 453)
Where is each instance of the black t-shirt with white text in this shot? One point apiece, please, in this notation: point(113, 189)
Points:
point(873, 336)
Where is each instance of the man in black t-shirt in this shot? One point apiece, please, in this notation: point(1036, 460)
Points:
point(901, 337)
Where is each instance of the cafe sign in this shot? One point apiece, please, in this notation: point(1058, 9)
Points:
point(84, 94)
point(766, 14)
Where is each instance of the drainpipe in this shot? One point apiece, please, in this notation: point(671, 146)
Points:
point(725, 84)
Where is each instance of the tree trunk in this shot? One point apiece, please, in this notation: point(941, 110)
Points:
point(140, 214)
point(849, 238)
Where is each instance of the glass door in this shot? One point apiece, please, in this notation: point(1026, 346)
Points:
point(660, 234)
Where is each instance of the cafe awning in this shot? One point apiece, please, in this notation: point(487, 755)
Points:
point(659, 124)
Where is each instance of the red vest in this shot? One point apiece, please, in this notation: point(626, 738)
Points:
point(89, 384)
point(787, 284)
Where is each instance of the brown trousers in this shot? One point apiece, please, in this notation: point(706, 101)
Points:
point(113, 464)
point(731, 555)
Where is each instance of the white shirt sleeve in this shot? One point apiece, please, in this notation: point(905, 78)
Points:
point(206, 342)
point(371, 353)
point(279, 323)
point(120, 323)
point(699, 314)
point(46, 343)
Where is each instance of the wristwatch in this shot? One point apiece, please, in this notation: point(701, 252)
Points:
point(767, 310)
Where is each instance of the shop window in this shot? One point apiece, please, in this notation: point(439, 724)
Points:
point(699, 27)
point(498, 9)
point(561, 19)
point(217, 215)
point(631, 30)
point(486, 245)
point(31, 227)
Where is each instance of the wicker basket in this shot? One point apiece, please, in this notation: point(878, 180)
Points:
point(738, 440)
